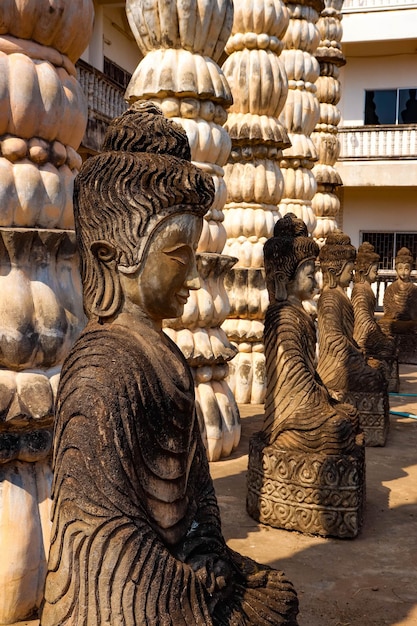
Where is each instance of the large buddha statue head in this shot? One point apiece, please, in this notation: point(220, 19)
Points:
point(138, 215)
point(404, 264)
point(366, 265)
point(337, 259)
point(290, 257)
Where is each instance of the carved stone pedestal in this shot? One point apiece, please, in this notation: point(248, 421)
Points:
point(392, 374)
point(405, 334)
point(373, 409)
point(311, 493)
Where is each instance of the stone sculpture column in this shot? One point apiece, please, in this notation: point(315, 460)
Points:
point(301, 111)
point(181, 43)
point(326, 204)
point(42, 121)
point(254, 180)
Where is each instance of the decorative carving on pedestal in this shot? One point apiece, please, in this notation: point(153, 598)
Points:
point(367, 332)
point(306, 467)
point(326, 204)
point(181, 43)
point(42, 121)
point(254, 180)
point(301, 112)
point(136, 526)
point(342, 366)
point(399, 321)
point(312, 493)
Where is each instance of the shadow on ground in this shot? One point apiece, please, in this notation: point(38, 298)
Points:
point(367, 581)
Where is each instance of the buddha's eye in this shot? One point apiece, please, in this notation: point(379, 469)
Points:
point(181, 254)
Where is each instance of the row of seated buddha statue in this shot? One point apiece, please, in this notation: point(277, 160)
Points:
point(399, 321)
point(306, 466)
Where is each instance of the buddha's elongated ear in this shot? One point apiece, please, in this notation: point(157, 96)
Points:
point(280, 286)
point(332, 274)
point(108, 297)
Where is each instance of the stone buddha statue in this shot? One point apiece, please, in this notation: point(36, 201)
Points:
point(400, 298)
point(342, 365)
point(399, 321)
point(367, 333)
point(136, 536)
point(305, 430)
point(299, 412)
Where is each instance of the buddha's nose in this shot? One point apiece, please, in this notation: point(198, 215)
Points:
point(193, 278)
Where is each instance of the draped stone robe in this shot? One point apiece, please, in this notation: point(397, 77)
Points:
point(133, 501)
point(342, 366)
point(400, 301)
point(299, 412)
point(367, 332)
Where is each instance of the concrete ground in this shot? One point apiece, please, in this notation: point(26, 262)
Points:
point(367, 581)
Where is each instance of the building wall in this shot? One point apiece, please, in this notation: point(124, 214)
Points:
point(378, 72)
point(384, 209)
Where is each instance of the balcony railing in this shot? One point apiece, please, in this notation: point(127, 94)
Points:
point(105, 101)
point(376, 5)
point(378, 142)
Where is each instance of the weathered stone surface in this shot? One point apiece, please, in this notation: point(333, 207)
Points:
point(367, 332)
point(309, 443)
point(342, 366)
point(43, 114)
point(181, 43)
point(136, 527)
point(399, 321)
point(311, 493)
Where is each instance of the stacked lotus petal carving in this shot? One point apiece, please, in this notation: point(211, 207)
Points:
point(253, 177)
point(329, 54)
point(42, 120)
point(301, 111)
point(181, 42)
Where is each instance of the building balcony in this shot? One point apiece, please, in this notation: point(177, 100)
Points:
point(350, 6)
point(378, 142)
point(105, 100)
point(378, 155)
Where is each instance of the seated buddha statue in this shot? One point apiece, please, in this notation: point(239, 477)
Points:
point(299, 411)
point(136, 533)
point(400, 298)
point(375, 345)
point(342, 365)
point(306, 466)
point(399, 321)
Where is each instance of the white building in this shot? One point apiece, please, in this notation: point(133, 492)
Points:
point(378, 131)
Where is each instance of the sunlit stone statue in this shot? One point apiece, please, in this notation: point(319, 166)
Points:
point(342, 365)
point(306, 466)
point(400, 309)
point(367, 333)
point(136, 533)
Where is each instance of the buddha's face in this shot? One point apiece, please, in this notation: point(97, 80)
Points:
point(304, 283)
point(373, 273)
point(403, 271)
point(160, 287)
point(346, 275)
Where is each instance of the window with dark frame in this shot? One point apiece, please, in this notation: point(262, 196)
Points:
point(116, 73)
point(388, 244)
point(390, 106)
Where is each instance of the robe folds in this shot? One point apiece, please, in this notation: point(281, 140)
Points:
point(299, 412)
point(342, 365)
point(136, 536)
point(400, 301)
point(367, 332)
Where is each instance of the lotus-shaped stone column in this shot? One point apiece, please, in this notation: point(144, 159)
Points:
point(181, 43)
point(43, 114)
